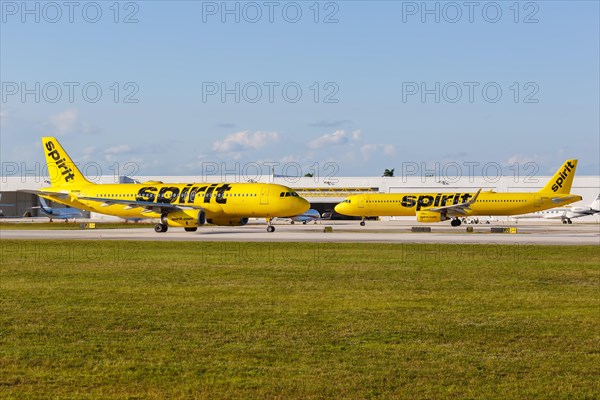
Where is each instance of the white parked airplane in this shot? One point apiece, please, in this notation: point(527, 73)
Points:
point(65, 213)
point(565, 214)
point(310, 215)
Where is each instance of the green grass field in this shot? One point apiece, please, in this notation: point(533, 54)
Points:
point(187, 320)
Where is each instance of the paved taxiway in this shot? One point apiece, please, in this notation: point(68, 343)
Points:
point(548, 233)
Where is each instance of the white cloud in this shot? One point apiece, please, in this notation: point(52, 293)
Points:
point(245, 140)
point(337, 138)
point(64, 122)
point(88, 150)
point(389, 149)
point(521, 159)
point(369, 149)
point(120, 149)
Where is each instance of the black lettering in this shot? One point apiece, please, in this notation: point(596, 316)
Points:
point(424, 201)
point(208, 193)
point(559, 182)
point(408, 201)
point(184, 193)
point(220, 192)
point(172, 191)
point(49, 146)
point(194, 191)
point(145, 194)
point(55, 155)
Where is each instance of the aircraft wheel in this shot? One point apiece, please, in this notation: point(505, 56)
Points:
point(569, 221)
point(292, 222)
point(362, 223)
point(303, 222)
point(191, 229)
point(564, 221)
point(455, 222)
point(159, 228)
point(270, 228)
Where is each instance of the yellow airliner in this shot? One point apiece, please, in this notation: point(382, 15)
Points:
point(436, 207)
point(175, 204)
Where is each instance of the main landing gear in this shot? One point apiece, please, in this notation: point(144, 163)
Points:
point(455, 222)
point(567, 221)
point(270, 227)
point(160, 228)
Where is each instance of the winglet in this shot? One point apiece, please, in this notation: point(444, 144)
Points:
point(474, 199)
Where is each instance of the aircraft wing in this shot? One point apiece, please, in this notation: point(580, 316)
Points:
point(148, 205)
point(456, 209)
point(60, 195)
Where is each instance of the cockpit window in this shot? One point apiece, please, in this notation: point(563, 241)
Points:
point(281, 194)
point(287, 194)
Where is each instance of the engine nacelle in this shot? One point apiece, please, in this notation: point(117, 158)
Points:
point(228, 221)
point(430, 216)
point(185, 218)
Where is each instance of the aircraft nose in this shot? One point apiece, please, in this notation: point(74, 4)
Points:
point(339, 208)
point(303, 205)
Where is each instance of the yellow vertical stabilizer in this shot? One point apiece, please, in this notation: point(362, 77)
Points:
point(562, 180)
point(62, 171)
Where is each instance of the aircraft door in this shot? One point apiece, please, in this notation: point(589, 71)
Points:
point(264, 195)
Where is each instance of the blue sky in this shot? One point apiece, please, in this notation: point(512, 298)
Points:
point(370, 61)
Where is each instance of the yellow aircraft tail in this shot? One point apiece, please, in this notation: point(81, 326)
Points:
point(562, 180)
point(62, 171)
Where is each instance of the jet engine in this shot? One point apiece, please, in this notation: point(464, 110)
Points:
point(430, 216)
point(185, 218)
point(228, 221)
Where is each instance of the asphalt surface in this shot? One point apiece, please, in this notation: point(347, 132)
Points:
point(544, 233)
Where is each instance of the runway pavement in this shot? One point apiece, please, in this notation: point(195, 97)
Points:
point(547, 233)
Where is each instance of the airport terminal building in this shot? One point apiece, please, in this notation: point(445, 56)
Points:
point(322, 193)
